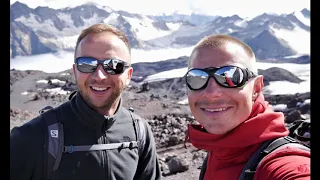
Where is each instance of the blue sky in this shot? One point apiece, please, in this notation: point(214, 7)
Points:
point(244, 8)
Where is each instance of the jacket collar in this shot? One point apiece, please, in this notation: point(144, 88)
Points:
point(89, 116)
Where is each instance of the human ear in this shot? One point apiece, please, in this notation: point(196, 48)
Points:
point(257, 87)
point(129, 75)
point(74, 70)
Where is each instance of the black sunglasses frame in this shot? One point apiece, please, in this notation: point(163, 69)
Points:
point(106, 68)
point(247, 75)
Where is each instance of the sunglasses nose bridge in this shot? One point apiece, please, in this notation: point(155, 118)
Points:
point(100, 72)
point(212, 86)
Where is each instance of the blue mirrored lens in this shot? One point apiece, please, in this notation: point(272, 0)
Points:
point(229, 76)
point(87, 64)
point(197, 78)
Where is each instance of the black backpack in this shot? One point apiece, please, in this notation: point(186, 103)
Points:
point(299, 136)
point(54, 140)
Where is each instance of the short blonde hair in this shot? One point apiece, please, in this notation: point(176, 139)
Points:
point(101, 27)
point(219, 40)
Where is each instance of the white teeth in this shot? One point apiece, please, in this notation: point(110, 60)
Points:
point(215, 110)
point(98, 88)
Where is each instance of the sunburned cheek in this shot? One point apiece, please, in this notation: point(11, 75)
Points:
point(243, 114)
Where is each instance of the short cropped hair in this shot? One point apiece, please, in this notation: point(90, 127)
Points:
point(219, 40)
point(101, 27)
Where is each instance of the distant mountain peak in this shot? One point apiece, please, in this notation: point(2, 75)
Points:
point(267, 44)
point(44, 8)
point(55, 29)
point(305, 12)
point(19, 9)
point(19, 5)
point(235, 17)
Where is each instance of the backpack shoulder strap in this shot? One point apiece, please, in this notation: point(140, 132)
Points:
point(266, 148)
point(203, 167)
point(298, 130)
point(140, 130)
point(54, 141)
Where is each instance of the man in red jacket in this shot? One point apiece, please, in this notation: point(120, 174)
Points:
point(235, 121)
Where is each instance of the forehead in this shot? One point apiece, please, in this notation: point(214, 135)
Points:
point(103, 45)
point(229, 54)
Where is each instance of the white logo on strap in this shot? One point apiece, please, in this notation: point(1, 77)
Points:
point(54, 133)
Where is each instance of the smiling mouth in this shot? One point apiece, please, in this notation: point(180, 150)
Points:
point(214, 110)
point(99, 89)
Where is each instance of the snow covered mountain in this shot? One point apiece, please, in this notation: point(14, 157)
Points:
point(44, 30)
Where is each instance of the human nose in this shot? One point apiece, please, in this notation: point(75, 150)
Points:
point(213, 88)
point(100, 73)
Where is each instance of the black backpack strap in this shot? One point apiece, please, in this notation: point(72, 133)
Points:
point(266, 148)
point(303, 126)
point(139, 129)
point(99, 147)
point(203, 167)
point(54, 141)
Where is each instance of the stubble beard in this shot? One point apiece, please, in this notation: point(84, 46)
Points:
point(108, 103)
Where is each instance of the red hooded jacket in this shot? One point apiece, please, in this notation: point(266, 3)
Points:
point(230, 152)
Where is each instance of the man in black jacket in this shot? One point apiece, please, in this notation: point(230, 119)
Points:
point(93, 116)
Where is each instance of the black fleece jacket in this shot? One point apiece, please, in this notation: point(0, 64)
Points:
point(84, 126)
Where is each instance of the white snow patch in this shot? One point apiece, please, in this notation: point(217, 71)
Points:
point(301, 18)
point(299, 104)
point(294, 56)
point(58, 82)
point(68, 42)
point(106, 8)
point(175, 73)
point(69, 24)
point(94, 19)
point(53, 81)
point(112, 19)
point(145, 29)
point(42, 81)
point(50, 62)
point(46, 25)
point(58, 90)
point(298, 39)
point(285, 87)
point(173, 26)
point(307, 101)
point(184, 31)
point(300, 70)
point(218, 30)
point(279, 107)
point(184, 101)
point(25, 93)
point(241, 23)
point(138, 55)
